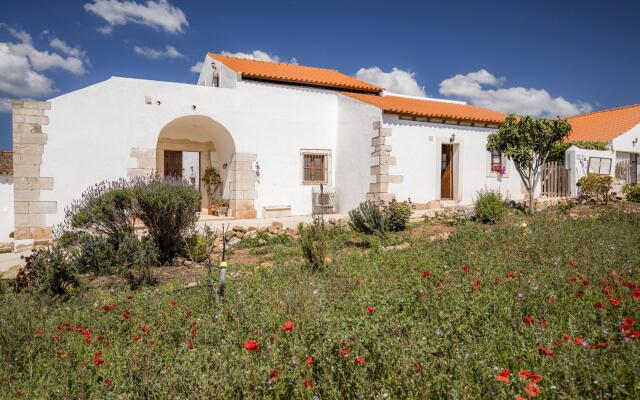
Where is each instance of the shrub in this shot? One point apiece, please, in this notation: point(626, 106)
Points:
point(369, 218)
point(313, 240)
point(199, 244)
point(560, 148)
point(489, 206)
point(596, 187)
point(49, 270)
point(168, 208)
point(632, 192)
point(95, 254)
point(136, 257)
point(398, 215)
point(107, 208)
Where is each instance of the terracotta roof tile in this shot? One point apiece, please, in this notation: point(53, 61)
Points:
point(430, 108)
point(282, 72)
point(6, 162)
point(604, 125)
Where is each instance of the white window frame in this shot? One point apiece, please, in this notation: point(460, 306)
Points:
point(599, 165)
point(494, 174)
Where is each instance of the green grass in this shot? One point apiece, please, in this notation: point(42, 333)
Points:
point(443, 336)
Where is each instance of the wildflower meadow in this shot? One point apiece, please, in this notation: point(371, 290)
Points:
point(546, 306)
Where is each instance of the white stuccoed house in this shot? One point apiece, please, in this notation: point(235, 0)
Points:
point(273, 131)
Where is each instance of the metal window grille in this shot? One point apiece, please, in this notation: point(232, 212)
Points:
point(496, 160)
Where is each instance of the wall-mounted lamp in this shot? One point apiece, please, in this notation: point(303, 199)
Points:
point(634, 141)
point(257, 169)
point(452, 138)
point(224, 166)
point(193, 107)
point(158, 103)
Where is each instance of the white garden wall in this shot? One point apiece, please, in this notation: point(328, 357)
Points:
point(577, 161)
point(6, 207)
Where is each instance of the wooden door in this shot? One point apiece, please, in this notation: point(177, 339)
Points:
point(446, 172)
point(173, 163)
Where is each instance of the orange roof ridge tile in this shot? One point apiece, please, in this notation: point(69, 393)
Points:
point(605, 110)
point(293, 73)
point(430, 108)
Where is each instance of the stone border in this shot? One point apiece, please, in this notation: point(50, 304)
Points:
point(381, 159)
point(242, 180)
point(29, 140)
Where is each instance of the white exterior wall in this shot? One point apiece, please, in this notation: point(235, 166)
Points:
point(6, 207)
point(625, 142)
point(353, 154)
point(91, 132)
point(417, 149)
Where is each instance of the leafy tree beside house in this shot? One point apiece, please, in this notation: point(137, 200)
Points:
point(528, 142)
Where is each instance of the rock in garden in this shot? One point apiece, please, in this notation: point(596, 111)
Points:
point(239, 228)
point(277, 225)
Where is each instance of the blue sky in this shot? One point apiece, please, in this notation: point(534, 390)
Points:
point(542, 58)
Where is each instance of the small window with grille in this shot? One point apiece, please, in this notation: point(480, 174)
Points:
point(315, 168)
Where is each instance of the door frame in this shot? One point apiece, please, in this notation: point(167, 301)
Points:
point(458, 153)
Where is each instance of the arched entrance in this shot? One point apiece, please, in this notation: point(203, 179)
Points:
point(188, 146)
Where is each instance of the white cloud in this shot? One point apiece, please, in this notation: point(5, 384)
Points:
point(156, 14)
point(5, 105)
point(195, 68)
point(398, 80)
point(59, 44)
point(257, 55)
point(518, 100)
point(169, 52)
point(22, 67)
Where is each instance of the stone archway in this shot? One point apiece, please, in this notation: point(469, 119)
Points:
point(215, 148)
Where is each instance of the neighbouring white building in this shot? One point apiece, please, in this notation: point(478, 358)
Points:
point(275, 132)
point(620, 129)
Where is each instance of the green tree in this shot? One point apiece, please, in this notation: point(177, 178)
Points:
point(528, 142)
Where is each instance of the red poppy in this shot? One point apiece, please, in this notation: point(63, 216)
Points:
point(566, 337)
point(370, 310)
point(503, 376)
point(475, 285)
point(580, 294)
point(194, 332)
point(466, 268)
point(557, 343)
point(636, 294)
point(549, 300)
point(358, 280)
point(309, 360)
point(425, 274)
point(308, 384)
point(360, 360)
point(629, 321)
point(108, 382)
point(344, 352)
point(573, 263)
point(545, 351)
point(38, 332)
point(520, 398)
point(544, 323)
point(107, 344)
point(274, 374)
point(288, 326)
point(100, 338)
point(190, 346)
point(86, 332)
point(511, 275)
point(78, 327)
point(633, 334)
point(530, 376)
point(87, 340)
point(615, 302)
point(578, 341)
point(585, 282)
point(532, 389)
point(173, 303)
point(528, 320)
point(98, 361)
point(126, 314)
point(19, 394)
point(144, 329)
point(599, 306)
point(251, 345)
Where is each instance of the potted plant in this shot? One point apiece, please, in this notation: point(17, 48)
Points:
point(211, 181)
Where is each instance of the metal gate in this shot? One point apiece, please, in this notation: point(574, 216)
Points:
point(555, 180)
point(323, 200)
